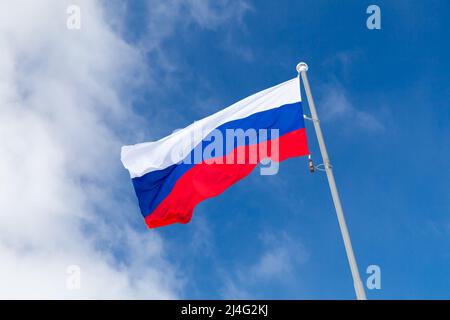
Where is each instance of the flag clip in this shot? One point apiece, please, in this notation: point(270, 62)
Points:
point(322, 167)
point(310, 164)
point(309, 118)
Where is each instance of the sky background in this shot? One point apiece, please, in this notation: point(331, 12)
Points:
point(138, 70)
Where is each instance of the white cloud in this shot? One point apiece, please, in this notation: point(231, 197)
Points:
point(343, 61)
point(171, 18)
point(334, 101)
point(336, 106)
point(212, 13)
point(281, 256)
point(64, 112)
point(60, 98)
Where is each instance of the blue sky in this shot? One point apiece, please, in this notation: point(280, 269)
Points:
point(383, 98)
point(137, 70)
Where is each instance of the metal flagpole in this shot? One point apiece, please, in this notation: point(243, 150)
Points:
point(359, 289)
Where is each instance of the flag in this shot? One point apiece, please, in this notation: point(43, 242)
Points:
point(172, 175)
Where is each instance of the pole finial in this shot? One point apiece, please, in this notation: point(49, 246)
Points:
point(302, 66)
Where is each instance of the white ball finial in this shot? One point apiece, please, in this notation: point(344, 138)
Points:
point(302, 66)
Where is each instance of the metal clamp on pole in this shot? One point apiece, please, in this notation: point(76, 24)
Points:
point(302, 68)
point(309, 118)
point(322, 167)
point(311, 164)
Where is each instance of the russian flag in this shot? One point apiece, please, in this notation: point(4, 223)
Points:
point(172, 175)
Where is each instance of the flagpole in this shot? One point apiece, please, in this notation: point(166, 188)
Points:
point(359, 289)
